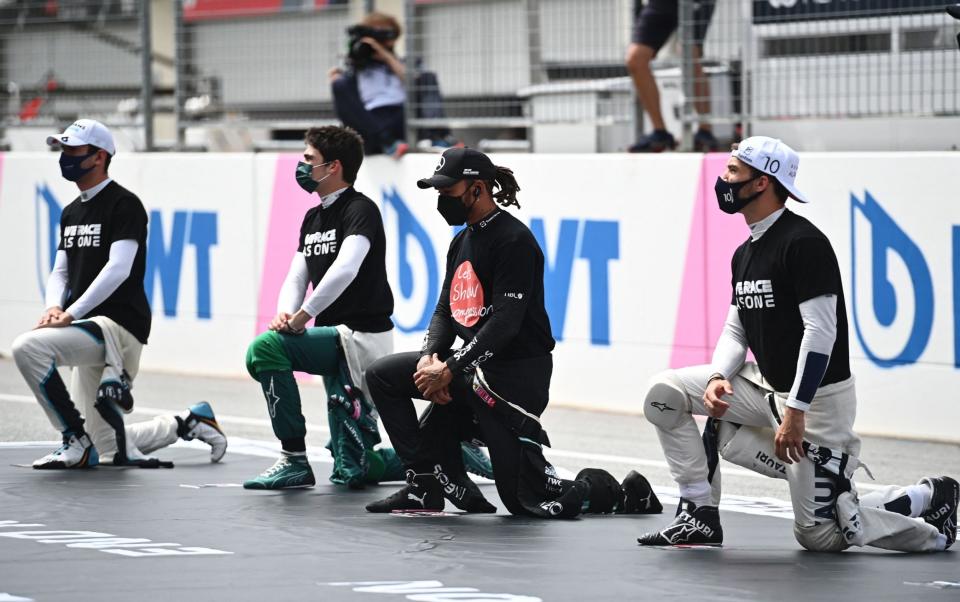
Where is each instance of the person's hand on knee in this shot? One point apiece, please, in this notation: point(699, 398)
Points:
point(279, 322)
point(717, 407)
point(51, 314)
point(433, 377)
point(62, 320)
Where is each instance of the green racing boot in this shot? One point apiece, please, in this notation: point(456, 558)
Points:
point(287, 473)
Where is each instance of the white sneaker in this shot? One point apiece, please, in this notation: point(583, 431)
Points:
point(74, 453)
point(200, 423)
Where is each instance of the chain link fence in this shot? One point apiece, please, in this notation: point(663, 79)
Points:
point(538, 75)
point(255, 74)
point(64, 59)
point(546, 72)
point(837, 75)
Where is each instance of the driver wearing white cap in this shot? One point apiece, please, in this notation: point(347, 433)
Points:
point(97, 320)
point(789, 414)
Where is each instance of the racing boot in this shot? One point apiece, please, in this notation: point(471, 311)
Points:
point(692, 527)
point(462, 492)
point(422, 493)
point(200, 423)
point(943, 506)
point(76, 452)
point(638, 496)
point(289, 472)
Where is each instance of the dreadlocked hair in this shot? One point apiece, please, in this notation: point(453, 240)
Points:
point(507, 185)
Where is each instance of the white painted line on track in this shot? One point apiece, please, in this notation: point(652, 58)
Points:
point(760, 506)
point(223, 418)
point(261, 448)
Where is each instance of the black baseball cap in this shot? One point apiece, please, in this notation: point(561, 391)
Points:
point(459, 164)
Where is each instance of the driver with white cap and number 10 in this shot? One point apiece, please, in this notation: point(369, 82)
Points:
point(789, 414)
point(97, 320)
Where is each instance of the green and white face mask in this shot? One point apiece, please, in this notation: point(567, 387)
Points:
point(305, 176)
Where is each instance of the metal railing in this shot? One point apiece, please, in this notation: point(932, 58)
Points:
point(828, 69)
point(505, 66)
point(59, 60)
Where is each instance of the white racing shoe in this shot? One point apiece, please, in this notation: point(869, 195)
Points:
point(200, 423)
point(76, 452)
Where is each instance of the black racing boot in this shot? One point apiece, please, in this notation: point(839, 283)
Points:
point(605, 493)
point(638, 495)
point(462, 492)
point(943, 506)
point(692, 527)
point(421, 493)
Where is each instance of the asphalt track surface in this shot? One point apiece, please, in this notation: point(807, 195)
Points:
point(192, 533)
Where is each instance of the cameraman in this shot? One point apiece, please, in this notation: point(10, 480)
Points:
point(370, 95)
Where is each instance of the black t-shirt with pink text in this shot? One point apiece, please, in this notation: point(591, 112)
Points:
point(492, 296)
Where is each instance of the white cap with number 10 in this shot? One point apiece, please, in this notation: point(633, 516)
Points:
point(774, 158)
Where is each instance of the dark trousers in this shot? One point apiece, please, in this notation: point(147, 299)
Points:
point(522, 475)
point(384, 125)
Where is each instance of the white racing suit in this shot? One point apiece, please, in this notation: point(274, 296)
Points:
point(827, 517)
point(102, 353)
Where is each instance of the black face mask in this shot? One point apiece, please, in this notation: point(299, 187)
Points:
point(728, 195)
point(70, 166)
point(453, 210)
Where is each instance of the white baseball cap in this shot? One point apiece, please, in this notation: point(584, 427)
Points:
point(85, 131)
point(774, 158)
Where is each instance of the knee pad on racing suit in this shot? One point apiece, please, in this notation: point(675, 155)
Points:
point(23, 347)
point(266, 352)
point(665, 403)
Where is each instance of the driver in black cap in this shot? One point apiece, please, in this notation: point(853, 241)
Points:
point(499, 380)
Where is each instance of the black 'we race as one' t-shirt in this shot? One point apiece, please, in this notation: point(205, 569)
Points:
point(87, 229)
point(367, 303)
point(791, 263)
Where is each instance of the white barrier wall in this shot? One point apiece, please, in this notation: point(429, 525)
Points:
point(637, 278)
